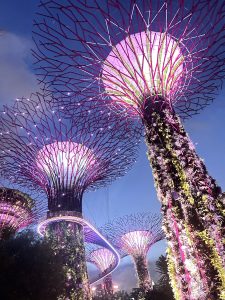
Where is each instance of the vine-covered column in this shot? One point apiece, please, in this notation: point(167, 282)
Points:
point(144, 279)
point(67, 239)
point(191, 204)
point(108, 286)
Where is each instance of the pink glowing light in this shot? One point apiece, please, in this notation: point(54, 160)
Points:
point(14, 216)
point(103, 258)
point(17, 210)
point(68, 161)
point(143, 64)
point(134, 234)
point(108, 46)
point(136, 242)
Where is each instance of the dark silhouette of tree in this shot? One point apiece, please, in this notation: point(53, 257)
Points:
point(7, 233)
point(121, 295)
point(154, 294)
point(163, 284)
point(29, 269)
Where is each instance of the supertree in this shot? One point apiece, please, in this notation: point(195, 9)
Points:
point(154, 60)
point(134, 235)
point(17, 211)
point(64, 157)
point(104, 259)
point(94, 240)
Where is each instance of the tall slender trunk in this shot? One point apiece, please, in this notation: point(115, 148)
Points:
point(194, 215)
point(108, 285)
point(144, 279)
point(67, 240)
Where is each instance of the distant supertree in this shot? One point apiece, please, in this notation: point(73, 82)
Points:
point(63, 158)
point(17, 211)
point(104, 260)
point(154, 60)
point(134, 235)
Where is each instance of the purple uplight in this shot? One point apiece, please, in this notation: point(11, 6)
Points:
point(14, 216)
point(130, 50)
point(68, 160)
point(16, 210)
point(134, 234)
point(63, 157)
point(103, 258)
point(136, 242)
point(145, 63)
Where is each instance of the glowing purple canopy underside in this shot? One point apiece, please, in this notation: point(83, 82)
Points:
point(16, 209)
point(119, 48)
point(103, 258)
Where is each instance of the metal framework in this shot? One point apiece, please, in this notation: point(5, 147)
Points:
point(17, 211)
point(43, 150)
point(134, 235)
point(86, 46)
point(62, 157)
point(153, 60)
point(105, 260)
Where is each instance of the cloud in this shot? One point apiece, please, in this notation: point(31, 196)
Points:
point(16, 77)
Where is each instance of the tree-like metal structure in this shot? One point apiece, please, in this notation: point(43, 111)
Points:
point(104, 259)
point(92, 237)
point(64, 157)
point(134, 235)
point(155, 60)
point(17, 211)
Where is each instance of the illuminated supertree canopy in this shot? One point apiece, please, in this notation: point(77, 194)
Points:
point(101, 257)
point(17, 211)
point(63, 157)
point(134, 235)
point(134, 51)
point(152, 60)
point(105, 260)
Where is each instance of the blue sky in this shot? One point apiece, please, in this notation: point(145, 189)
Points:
point(134, 192)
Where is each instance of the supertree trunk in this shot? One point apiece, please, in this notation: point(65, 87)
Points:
point(186, 270)
point(192, 209)
point(144, 279)
point(67, 239)
point(108, 285)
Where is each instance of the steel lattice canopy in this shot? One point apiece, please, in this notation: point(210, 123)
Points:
point(103, 258)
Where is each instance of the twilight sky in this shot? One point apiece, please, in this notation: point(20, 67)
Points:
point(134, 192)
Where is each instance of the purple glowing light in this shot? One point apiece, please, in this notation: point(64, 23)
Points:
point(68, 161)
point(134, 234)
point(145, 63)
point(103, 258)
point(136, 242)
point(17, 210)
point(64, 157)
point(14, 216)
point(115, 45)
